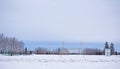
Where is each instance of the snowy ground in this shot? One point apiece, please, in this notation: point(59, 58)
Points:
point(60, 62)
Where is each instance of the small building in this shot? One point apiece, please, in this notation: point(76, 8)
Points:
point(107, 51)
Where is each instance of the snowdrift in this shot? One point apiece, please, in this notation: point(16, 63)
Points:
point(60, 62)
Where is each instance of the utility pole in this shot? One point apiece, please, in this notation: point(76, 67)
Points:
point(63, 44)
point(81, 46)
point(62, 50)
point(82, 50)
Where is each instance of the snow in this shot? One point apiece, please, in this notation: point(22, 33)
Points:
point(59, 62)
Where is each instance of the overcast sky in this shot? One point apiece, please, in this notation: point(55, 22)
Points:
point(58, 20)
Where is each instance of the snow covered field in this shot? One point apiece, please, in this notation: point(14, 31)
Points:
point(60, 62)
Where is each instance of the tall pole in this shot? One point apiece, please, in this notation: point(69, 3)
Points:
point(81, 46)
point(63, 44)
point(82, 51)
point(61, 51)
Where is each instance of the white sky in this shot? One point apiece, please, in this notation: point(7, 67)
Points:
point(58, 20)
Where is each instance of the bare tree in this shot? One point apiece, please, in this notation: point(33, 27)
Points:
point(41, 50)
point(90, 51)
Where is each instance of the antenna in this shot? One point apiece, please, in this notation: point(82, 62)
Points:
point(81, 46)
point(82, 51)
point(63, 44)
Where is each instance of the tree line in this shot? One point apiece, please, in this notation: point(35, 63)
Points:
point(86, 51)
point(10, 45)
